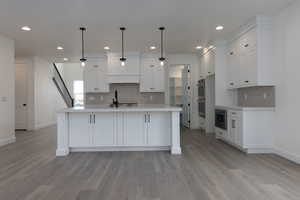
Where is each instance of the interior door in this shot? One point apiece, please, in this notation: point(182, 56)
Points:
point(186, 97)
point(21, 97)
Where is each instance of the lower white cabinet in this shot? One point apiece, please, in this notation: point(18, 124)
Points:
point(80, 130)
point(235, 128)
point(249, 130)
point(159, 129)
point(134, 129)
point(120, 129)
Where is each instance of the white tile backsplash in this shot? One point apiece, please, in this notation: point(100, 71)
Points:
point(127, 93)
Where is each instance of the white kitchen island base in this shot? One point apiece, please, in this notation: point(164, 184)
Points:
point(140, 128)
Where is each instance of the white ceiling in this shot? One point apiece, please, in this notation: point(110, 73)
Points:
point(188, 23)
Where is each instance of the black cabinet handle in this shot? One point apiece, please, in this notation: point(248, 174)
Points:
point(246, 45)
point(231, 53)
point(24, 104)
point(246, 81)
point(231, 83)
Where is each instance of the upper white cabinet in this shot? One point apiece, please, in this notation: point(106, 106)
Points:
point(123, 74)
point(152, 77)
point(249, 57)
point(95, 76)
point(207, 63)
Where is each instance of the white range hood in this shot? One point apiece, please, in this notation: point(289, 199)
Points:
point(130, 73)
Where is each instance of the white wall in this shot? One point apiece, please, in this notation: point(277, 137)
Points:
point(287, 40)
point(47, 99)
point(70, 73)
point(7, 91)
point(193, 61)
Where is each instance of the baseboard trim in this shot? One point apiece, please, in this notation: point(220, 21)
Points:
point(44, 125)
point(62, 152)
point(7, 141)
point(95, 149)
point(286, 155)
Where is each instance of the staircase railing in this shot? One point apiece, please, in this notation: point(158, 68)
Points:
point(62, 88)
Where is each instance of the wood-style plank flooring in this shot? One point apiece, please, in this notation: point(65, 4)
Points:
point(207, 170)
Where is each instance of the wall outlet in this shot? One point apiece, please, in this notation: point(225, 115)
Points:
point(151, 97)
point(245, 96)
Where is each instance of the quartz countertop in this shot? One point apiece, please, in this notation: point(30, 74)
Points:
point(245, 108)
point(134, 108)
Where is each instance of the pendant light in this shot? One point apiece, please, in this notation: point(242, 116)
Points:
point(122, 59)
point(162, 59)
point(83, 59)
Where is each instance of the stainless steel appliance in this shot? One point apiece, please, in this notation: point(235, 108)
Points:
point(221, 119)
point(201, 98)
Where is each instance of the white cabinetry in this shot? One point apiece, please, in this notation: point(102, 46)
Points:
point(95, 76)
point(124, 74)
point(249, 57)
point(133, 129)
point(207, 63)
point(159, 129)
point(235, 128)
point(152, 75)
point(81, 132)
point(249, 130)
point(89, 129)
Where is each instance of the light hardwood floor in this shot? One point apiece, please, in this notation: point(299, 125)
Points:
point(207, 169)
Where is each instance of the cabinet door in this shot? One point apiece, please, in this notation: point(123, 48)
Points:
point(249, 67)
point(90, 78)
point(104, 129)
point(95, 76)
point(152, 76)
point(146, 82)
point(159, 78)
point(80, 130)
point(134, 129)
point(234, 70)
point(159, 129)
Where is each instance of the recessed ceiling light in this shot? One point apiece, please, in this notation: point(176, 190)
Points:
point(198, 47)
point(219, 28)
point(107, 48)
point(211, 47)
point(59, 48)
point(66, 59)
point(152, 47)
point(26, 28)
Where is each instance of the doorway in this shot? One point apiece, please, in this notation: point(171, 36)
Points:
point(21, 96)
point(180, 91)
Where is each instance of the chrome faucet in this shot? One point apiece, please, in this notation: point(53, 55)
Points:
point(116, 99)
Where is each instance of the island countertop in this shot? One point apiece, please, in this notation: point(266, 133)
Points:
point(135, 108)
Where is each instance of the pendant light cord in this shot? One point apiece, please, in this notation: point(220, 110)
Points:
point(122, 43)
point(82, 43)
point(162, 43)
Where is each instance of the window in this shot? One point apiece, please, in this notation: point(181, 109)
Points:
point(78, 93)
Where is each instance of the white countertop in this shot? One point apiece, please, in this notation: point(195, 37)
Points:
point(136, 108)
point(245, 108)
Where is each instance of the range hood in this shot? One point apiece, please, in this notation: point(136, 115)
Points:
point(130, 73)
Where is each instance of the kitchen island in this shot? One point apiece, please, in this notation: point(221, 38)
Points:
point(126, 128)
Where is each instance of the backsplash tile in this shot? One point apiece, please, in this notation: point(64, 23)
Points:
point(262, 96)
point(128, 93)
